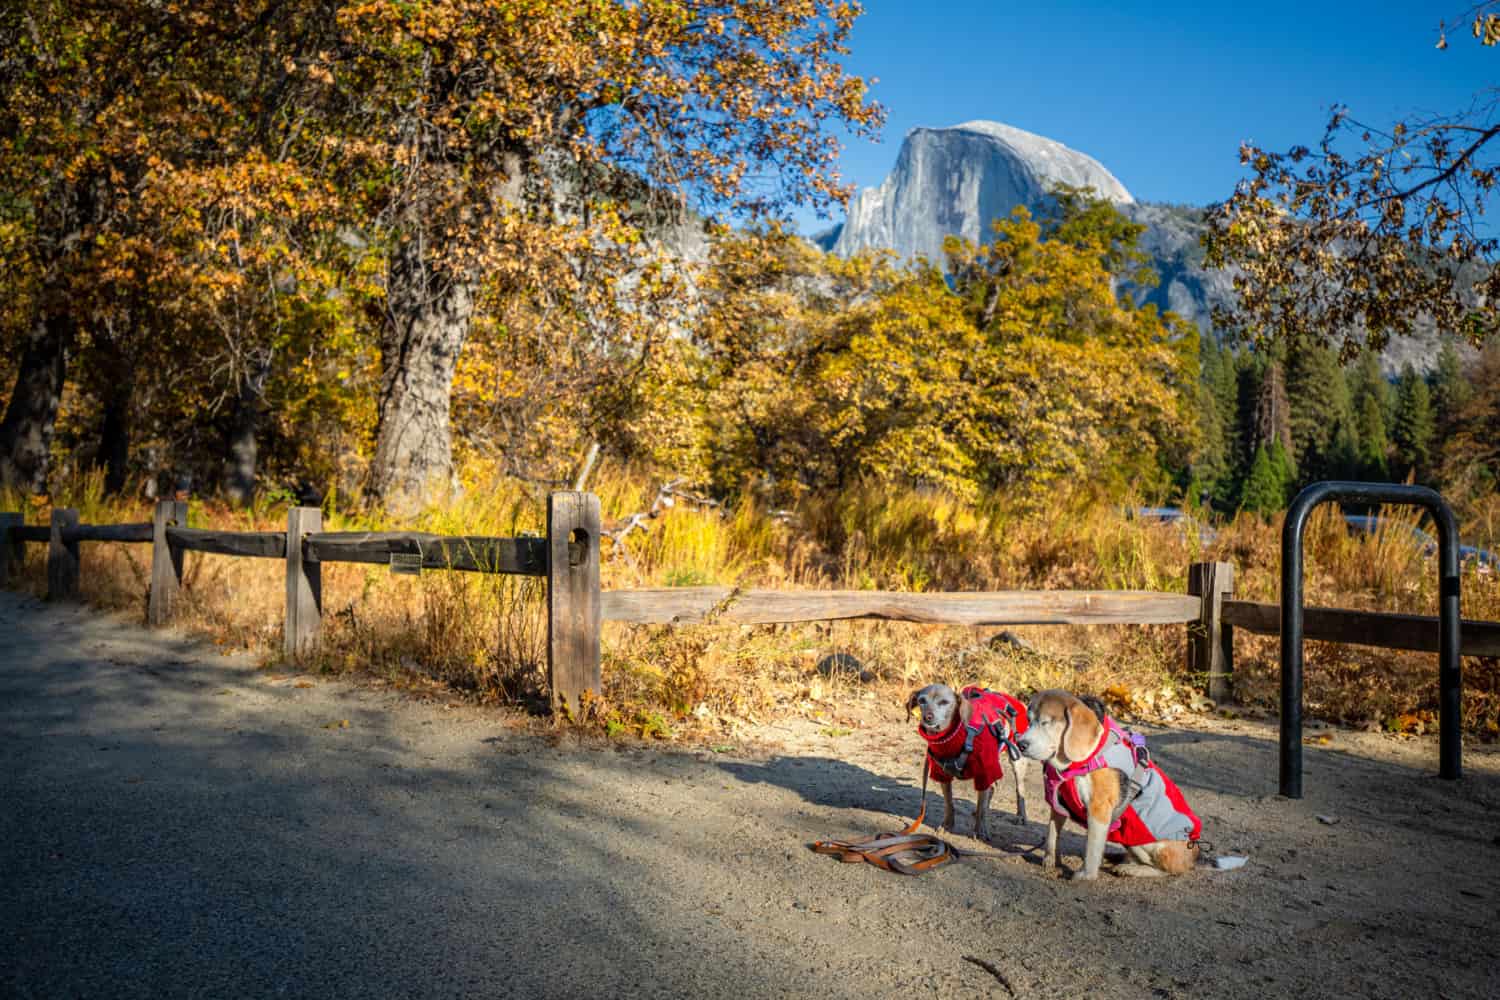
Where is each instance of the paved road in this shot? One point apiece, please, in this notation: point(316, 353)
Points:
point(178, 824)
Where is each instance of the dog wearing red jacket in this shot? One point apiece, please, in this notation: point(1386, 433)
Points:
point(969, 737)
point(1100, 775)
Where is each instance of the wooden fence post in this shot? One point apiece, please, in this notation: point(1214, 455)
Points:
point(62, 557)
point(12, 550)
point(166, 561)
point(304, 584)
point(1211, 641)
point(573, 599)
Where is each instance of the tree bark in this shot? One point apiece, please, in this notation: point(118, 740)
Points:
point(31, 415)
point(242, 444)
point(114, 434)
point(427, 321)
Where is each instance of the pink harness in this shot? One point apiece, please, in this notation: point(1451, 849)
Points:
point(1053, 779)
point(1151, 806)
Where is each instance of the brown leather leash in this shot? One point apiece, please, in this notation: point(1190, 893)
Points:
point(905, 851)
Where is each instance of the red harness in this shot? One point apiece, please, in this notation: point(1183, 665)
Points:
point(972, 751)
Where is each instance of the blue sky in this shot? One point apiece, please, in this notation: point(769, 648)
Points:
point(1161, 93)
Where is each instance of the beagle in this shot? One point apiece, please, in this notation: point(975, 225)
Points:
point(967, 736)
point(1099, 775)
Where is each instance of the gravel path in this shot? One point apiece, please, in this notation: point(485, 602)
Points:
point(175, 823)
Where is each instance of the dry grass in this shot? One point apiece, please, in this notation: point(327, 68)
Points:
point(485, 635)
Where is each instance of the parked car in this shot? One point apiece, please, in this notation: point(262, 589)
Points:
point(1174, 516)
point(1484, 559)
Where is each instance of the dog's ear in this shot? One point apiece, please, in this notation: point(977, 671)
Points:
point(911, 703)
point(1082, 732)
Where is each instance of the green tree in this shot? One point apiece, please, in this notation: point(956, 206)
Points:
point(1412, 428)
point(1374, 447)
point(1321, 409)
point(1269, 482)
point(1213, 470)
point(1450, 388)
point(1370, 394)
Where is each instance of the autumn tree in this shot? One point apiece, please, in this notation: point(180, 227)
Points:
point(1077, 380)
point(72, 78)
point(508, 142)
point(1471, 455)
point(1373, 229)
point(160, 214)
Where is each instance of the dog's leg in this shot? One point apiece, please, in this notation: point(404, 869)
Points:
point(1019, 770)
point(1054, 828)
point(1101, 795)
point(982, 813)
point(1164, 857)
point(947, 807)
point(1142, 863)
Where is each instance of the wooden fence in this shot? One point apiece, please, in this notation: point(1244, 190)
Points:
point(568, 558)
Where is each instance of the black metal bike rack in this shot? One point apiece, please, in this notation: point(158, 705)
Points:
point(1450, 680)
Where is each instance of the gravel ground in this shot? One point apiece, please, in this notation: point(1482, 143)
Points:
point(176, 823)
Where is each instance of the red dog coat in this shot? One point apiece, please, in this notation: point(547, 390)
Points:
point(972, 752)
point(1158, 811)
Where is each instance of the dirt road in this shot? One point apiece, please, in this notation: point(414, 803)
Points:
point(174, 823)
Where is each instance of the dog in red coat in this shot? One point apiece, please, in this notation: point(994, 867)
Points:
point(970, 736)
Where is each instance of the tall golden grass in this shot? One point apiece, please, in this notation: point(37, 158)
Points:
point(485, 635)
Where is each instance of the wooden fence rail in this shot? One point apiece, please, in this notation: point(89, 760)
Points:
point(1366, 628)
point(568, 559)
point(1016, 607)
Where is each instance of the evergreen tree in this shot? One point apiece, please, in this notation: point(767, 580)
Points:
point(1213, 471)
point(1373, 445)
point(1271, 477)
point(1412, 429)
point(1343, 458)
point(1273, 411)
point(1321, 410)
point(1240, 434)
point(1451, 389)
point(1370, 394)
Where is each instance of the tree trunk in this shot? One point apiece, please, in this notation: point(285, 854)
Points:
point(31, 416)
point(114, 434)
point(427, 322)
point(243, 449)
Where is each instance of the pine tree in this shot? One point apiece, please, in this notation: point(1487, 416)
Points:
point(1372, 439)
point(1370, 394)
point(1273, 411)
point(1321, 409)
point(1213, 472)
point(1413, 428)
point(1451, 389)
point(1270, 477)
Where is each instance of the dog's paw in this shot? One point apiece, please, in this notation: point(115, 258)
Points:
point(1019, 819)
point(1084, 876)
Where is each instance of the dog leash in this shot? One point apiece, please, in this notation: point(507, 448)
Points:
point(906, 852)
